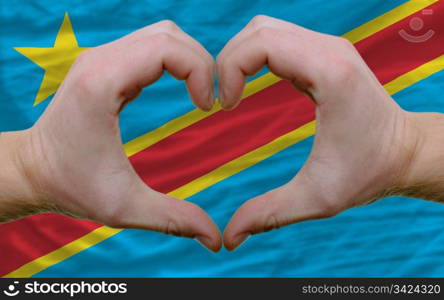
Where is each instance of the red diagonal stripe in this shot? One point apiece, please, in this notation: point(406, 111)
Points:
point(212, 142)
point(275, 111)
point(390, 56)
point(220, 138)
point(26, 239)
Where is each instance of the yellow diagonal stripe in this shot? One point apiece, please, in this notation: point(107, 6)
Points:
point(94, 237)
point(141, 143)
point(134, 146)
point(245, 161)
point(415, 75)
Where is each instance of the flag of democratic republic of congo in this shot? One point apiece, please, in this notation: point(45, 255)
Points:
point(220, 159)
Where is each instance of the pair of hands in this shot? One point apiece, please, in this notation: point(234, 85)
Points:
point(72, 161)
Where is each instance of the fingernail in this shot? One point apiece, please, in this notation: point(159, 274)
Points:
point(204, 241)
point(240, 239)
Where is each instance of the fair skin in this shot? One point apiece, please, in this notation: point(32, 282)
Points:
point(366, 147)
point(72, 161)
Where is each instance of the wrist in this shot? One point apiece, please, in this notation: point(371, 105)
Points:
point(18, 197)
point(422, 173)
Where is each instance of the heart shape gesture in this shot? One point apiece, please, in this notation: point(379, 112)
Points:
point(361, 143)
point(366, 146)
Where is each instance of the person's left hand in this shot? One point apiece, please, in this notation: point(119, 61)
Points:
point(72, 159)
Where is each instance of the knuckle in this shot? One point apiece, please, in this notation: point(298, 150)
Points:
point(168, 25)
point(265, 33)
point(161, 39)
point(344, 67)
point(84, 57)
point(259, 21)
point(172, 228)
point(343, 59)
point(87, 71)
point(271, 223)
point(85, 83)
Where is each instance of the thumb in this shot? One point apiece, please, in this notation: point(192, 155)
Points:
point(148, 209)
point(294, 202)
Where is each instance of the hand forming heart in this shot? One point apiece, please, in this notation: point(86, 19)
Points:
point(71, 160)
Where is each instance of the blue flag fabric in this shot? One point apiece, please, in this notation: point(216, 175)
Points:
point(393, 237)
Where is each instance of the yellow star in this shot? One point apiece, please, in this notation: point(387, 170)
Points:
point(56, 60)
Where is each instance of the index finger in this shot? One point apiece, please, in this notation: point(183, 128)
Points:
point(291, 52)
point(123, 67)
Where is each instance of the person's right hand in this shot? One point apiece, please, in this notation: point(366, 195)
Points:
point(365, 144)
point(72, 161)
